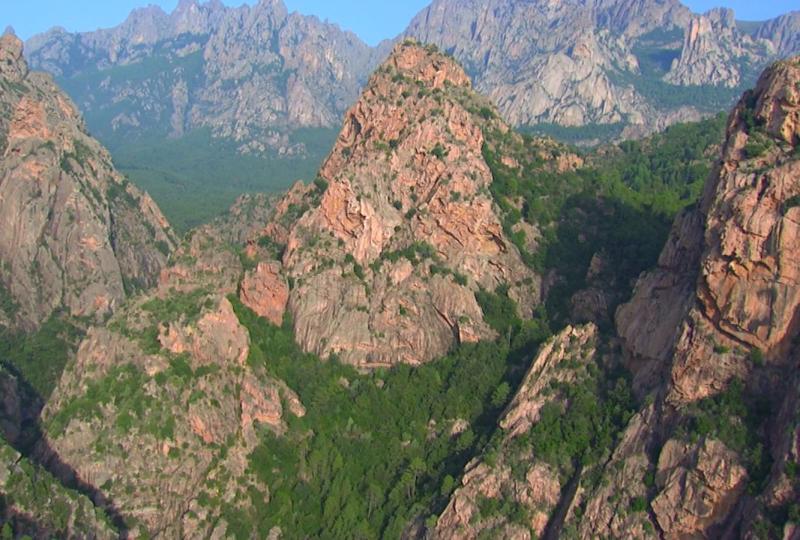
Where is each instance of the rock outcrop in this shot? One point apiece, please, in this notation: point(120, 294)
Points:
point(511, 474)
point(75, 235)
point(400, 230)
point(578, 63)
point(161, 408)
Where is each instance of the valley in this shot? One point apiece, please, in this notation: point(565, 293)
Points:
point(480, 281)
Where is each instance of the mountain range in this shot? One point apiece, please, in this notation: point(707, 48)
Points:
point(247, 99)
point(456, 329)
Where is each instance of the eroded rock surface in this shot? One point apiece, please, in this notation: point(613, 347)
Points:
point(400, 230)
point(75, 234)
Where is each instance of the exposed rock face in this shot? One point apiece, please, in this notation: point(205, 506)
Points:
point(720, 307)
point(712, 45)
point(161, 408)
point(249, 73)
point(266, 292)
point(699, 487)
point(401, 229)
point(576, 63)
point(784, 32)
point(36, 505)
point(512, 473)
point(742, 239)
point(75, 235)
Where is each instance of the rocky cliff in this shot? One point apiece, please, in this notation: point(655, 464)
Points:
point(162, 407)
point(710, 339)
point(628, 63)
point(399, 231)
point(711, 334)
point(250, 73)
point(76, 236)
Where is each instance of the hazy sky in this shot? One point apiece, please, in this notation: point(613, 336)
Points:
point(372, 20)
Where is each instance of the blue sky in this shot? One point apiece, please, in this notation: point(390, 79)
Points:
point(372, 20)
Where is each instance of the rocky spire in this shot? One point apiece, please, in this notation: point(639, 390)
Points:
point(387, 263)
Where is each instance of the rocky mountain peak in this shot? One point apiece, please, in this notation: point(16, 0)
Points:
point(401, 230)
point(777, 101)
point(12, 63)
point(75, 236)
point(427, 66)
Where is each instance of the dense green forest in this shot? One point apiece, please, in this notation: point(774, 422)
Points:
point(197, 177)
point(620, 204)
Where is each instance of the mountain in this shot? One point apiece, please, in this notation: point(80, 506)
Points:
point(631, 66)
point(456, 330)
point(76, 236)
point(401, 230)
point(208, 102)
point(253, 91)
point(710, 340)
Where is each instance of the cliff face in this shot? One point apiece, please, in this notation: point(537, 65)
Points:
point(710, 337)
point(400, 230)
point(608, 62)
point(249, 73)
point(161, 408)
point(713, 330)
point(75, 235)
point(730, 265)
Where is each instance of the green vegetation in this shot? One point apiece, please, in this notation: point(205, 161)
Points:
point(7, 303)
point(598, 408)
point(40, 357)
point(28, 490)
point(124, 388)
point(397, 422)
point(197, 177)
point(620, 205)
point(737, 420)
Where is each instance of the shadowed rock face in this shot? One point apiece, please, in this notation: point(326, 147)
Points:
point(401, 229)
point(75, 235)
point(728, 277)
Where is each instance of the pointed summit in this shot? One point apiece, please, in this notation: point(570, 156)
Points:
point(12, 63)
point(401, 230)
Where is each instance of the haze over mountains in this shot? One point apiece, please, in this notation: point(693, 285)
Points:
point(214, 82)
point(454, 330)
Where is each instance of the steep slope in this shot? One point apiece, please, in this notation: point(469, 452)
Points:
point(172, 73)
point(711, 333)
point(162, 407)
point(400, 231)
point(640, 64)
point(33, 503)
point(710, 338)
point(76, 236)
